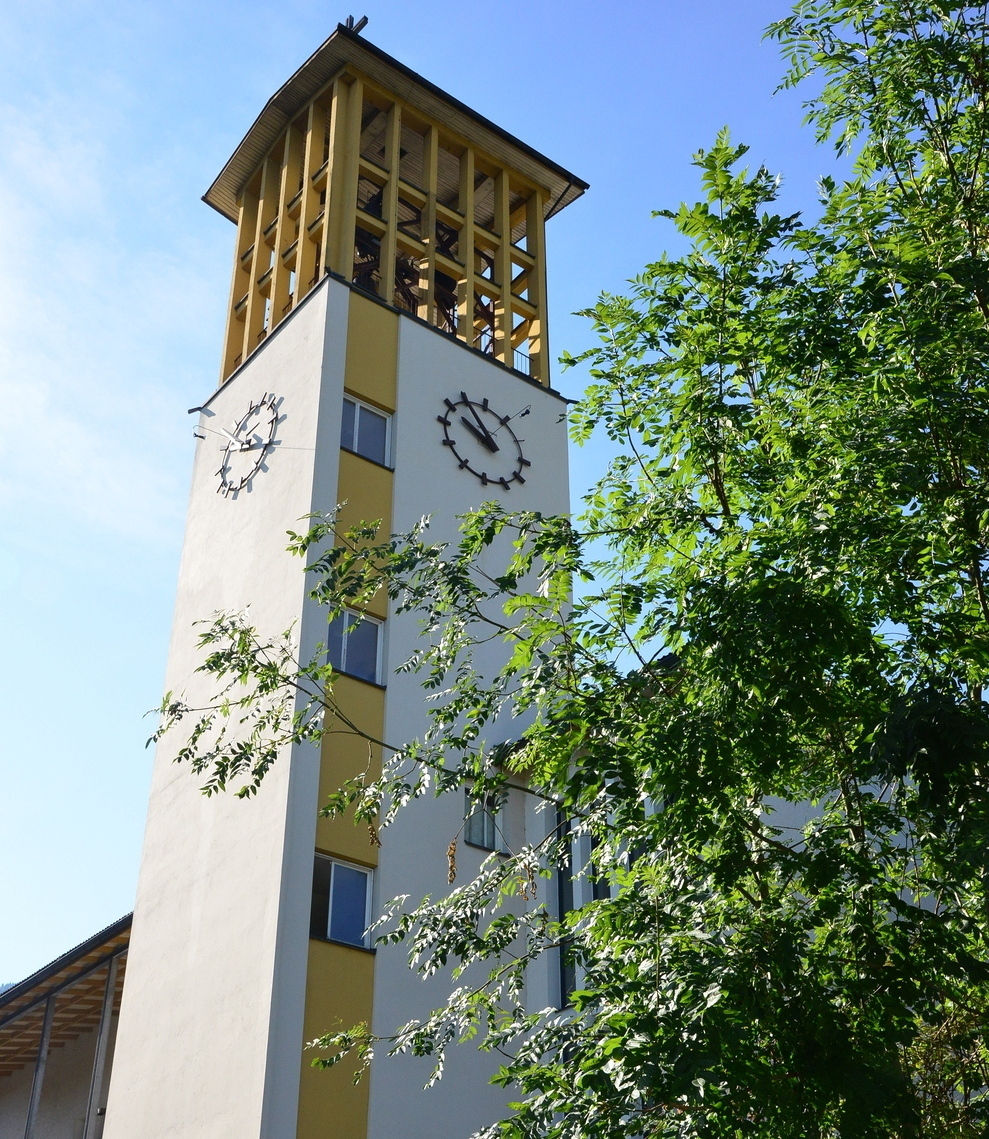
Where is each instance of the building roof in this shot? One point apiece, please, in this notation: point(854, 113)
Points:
point(347, 47)
point(79, 976)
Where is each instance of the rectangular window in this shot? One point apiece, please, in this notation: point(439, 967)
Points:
point(480, 826)
point(565, 904)
point(600, 886)
point(354, 645)
point(365, 431)
point(341, 901)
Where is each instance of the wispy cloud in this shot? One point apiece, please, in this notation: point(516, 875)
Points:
point(91, 382)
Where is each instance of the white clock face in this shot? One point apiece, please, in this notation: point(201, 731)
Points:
point(248, 442)
point(483, 442)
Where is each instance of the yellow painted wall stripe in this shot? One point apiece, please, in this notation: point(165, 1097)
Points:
point(340, 979)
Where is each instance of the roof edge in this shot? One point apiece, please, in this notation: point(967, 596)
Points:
point(81, 950)
point(507, 136)
point(219, 197)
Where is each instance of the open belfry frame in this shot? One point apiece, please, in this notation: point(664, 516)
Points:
point(411, 197)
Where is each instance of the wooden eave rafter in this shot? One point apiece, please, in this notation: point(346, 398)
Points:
point(77, 979)
point(344, 48)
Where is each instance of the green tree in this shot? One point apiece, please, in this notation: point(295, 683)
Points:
point(753, 666)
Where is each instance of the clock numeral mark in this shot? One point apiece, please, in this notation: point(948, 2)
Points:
point(518, 477)
point(505, 483)
point(444, 420)
point(484, 479)
point(451, 405)
point(524, 462)
point(449, 442)
point(466, 463)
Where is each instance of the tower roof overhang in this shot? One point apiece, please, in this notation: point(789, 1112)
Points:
point(78, 979)
point(345, 47)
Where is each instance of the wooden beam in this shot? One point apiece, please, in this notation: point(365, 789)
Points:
point(503, 269)
point(233, 339)
point(336, 118)
point(389, 206)
point(430, 169)
point(285, 229)
point(308, 263)
point(465, 300)
point(342, 187)
point(371, 223)
point(535, 239)
point(267, 213)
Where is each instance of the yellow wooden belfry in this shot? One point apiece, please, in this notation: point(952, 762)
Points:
point(411, 197)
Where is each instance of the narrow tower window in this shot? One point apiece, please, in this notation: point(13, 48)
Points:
point(480, 825)
point(341, 901)
point(565, 905)
point(354, 645)
point(365, 431)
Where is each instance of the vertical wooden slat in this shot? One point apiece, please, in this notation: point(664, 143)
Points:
point(342, 198)
point(308, 261)
point(535, 238)
point(389, 211)
point(465, 315)
point(233, 339)
point(430, 170)
point(337, 116)
point(503, 270)
point(285, 233)
point(267, 206)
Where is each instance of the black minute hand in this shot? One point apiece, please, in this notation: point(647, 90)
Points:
point(480, 423)
point(483, 435)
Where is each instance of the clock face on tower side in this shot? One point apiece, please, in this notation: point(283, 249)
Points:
point(483, 442)
point(248, 442)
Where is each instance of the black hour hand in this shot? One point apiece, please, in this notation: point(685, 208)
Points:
point(481, 433)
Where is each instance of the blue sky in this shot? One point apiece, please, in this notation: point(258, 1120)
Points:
point(114, 118)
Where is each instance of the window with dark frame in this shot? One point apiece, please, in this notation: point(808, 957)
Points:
point(580, 879)
point(341, 901)
point(600, 886)
point(565, 905)
point(480, 824)
point(365, 431)
point(354, 645)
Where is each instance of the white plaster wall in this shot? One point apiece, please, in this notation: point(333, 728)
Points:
point(211, 1022)
point(211, 1019)
point(64, 1093)
point(413, 855)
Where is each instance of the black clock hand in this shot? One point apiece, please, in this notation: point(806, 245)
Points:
point(482, 425)
point(484, 436)
point(477, 419)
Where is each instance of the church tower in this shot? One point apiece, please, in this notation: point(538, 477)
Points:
point(386, 348)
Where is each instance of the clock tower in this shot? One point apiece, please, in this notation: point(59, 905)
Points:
point(386, 349)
